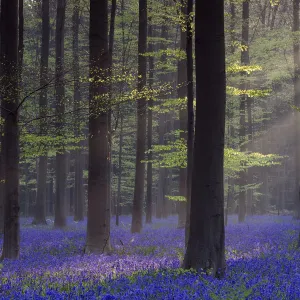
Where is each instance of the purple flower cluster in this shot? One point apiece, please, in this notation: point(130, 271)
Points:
point(262, 263)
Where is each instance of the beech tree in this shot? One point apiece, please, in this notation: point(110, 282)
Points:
point(190, 111)
point(98, 225)
point(78, 188)
point(206, 244)
point(10, 113)
point(244, 99)
point(150, 130)
point(161, 200)
point(296, 52)
point(61, 163)
point(111, 40)
point(40, 207)
point(183, 116)
point(137, 208)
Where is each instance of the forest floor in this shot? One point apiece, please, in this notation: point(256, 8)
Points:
point(262, 263)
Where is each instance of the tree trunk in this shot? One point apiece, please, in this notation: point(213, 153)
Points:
point(249, 102)
point(162, 188)
point(206, 241)
point(21, 39)
point(110, 50)
point(137, 208)
point(118, 204)
point(27, 191)
point(61, 164)
point(264, 201)
point(150, 131)
point(263, 9)
point(10, 102)
point(161, 206)
point(98, 227)
point(67, 189)
point(296, 49)
point(242, 133)
point(250, 148)
point(119, 195)
point(190, 110)
point(78, 189)
point(269, 6)
point(230, 195)
point(232, 26)
point(183, 117)
point(50, 199)
point(40, 208)
point(2, 179)
point(274, 13)
point(163, 172)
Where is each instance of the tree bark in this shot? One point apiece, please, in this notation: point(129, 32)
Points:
point(149, 130)
point(232, 26)
point(40, 208)
point(61, 164)
point(296, 51)
point(230, 194)
point(183, 117)
point(250, 147)
point(10, 102)
point(2, 179)
point(263, 9)
point(190, 109)
point(21, 38)
point(249, 102)
point(137, 208)
point(119, 198)
point(162, 176)
point(206, 245)
point(78, 189)
point(50, 196)
point(98, 227)
point(274, 13)
point(242, 133)
point(110, 50)
point(161, 205)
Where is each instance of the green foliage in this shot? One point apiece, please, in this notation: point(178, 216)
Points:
point(236, 161)
point(33, 146)
point(174, 154)
point(233, 91)
point(176, 198)
point(237, 68)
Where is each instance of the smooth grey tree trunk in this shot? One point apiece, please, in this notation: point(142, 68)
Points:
point(183, 117)
point(111, 40)
point(98, 226)
point(61, 163)
point(243, 100)
point(161, 203)
point(206, 240)
point(40, 207)
point(2, 178)
point(230, 204)
point(249, 102)
point(119, 197)
point(138, 198)
point(78, 188)
point(10, 104)
point(296, 52)
point(150, 130)
point(190, 109)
